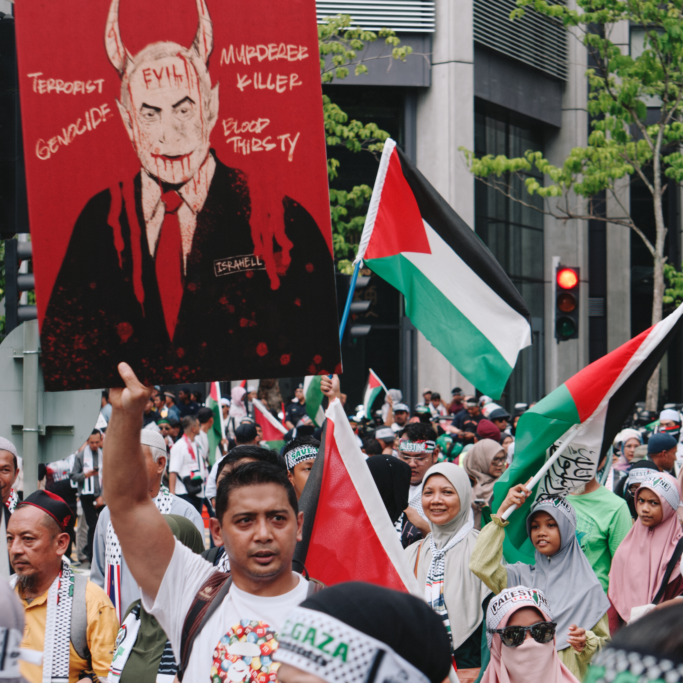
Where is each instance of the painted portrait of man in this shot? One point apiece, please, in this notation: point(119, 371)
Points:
point(168, 270)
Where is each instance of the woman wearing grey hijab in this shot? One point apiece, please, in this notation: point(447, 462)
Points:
point(441, 563)
point(561, 571)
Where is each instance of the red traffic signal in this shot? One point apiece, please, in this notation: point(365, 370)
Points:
point(567, 278)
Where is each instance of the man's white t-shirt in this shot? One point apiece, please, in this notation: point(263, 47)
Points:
point(183, 464)
point(211, 485)
point(185, 575)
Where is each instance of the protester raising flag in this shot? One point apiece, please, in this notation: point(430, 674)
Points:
point(341, 504)
point(456, 293)
point(271, 430)
point(372, 389)
point(217, 431)
point(314, 399)
point(587, 410)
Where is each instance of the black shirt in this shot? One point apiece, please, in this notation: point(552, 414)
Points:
point(295, 411)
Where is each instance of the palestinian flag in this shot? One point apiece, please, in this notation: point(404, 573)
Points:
point(372, 389)
point(218, 429)
point(341, 505)
point(597, 399)
point(314, 396)
point(456, 293)
point(273, 432)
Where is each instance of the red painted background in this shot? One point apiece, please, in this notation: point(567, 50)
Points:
point(64, 41)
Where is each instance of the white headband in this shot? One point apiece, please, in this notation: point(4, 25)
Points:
point(513, 598)
point(406, 446)
point(664, 489)
point(328, 648)
point(300, 454)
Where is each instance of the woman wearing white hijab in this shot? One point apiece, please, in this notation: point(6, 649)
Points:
point(441, 563)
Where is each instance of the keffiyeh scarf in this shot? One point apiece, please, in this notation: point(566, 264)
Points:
point(12, 501)
point(112, 553)
point(57, 626)
point(623, 666)
point(434, 594)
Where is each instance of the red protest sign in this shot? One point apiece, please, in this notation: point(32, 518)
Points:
point(178, 202)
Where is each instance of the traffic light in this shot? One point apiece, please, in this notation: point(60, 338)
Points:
point(359, 306)
point(16, 283)
point(567, 283)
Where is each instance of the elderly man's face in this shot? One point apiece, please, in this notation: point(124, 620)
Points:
point(167, 124)
point(8, 475)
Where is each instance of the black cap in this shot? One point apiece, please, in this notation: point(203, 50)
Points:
point(51, 504)
point(499, 414)
point(245, 433)
point(408, 625)
point(456, 390)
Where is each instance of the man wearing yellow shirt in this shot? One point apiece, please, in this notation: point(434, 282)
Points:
point(72, 623)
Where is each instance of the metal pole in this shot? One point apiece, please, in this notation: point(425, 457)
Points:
point(31, 427)
point(349, 299)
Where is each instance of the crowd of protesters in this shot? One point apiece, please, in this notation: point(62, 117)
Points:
point(189, 553)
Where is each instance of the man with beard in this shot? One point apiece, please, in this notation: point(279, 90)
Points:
point(70, 620)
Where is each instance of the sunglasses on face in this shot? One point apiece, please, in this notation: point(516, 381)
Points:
point(513, 636)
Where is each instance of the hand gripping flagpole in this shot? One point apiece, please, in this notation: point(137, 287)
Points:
point(571, 435)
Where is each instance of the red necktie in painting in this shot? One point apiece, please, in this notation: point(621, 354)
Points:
point(169, 261)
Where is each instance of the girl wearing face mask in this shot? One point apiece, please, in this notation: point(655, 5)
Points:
point(521, 638)
point(441, 564)
point(561, 571)
point(646, 569)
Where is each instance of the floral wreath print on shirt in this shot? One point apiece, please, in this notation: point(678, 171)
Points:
point(245, 654)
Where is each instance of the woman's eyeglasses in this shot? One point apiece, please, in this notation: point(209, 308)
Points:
point(513, 636)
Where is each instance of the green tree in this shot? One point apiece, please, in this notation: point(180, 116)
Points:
point(636, 129)
point(342, 48)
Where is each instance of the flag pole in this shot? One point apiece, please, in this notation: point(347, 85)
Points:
point(573, 431)
point(349, 298)
point(220, 412)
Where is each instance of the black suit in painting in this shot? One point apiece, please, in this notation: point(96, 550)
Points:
point(105, 306)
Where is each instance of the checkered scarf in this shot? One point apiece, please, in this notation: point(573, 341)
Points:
point(621, 666)
point(112, 553)
point(57, 626)
point(434, 594)
point(12, 501)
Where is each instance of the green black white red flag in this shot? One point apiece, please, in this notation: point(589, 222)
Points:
point(314, 399)
point(271, 430)
point(342, 506)
point(456, 293)
point(217, 431)
point(594, 403)
point(372, 390)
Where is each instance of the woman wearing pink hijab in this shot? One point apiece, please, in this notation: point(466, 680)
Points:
point(521, 635)
point(646, 568)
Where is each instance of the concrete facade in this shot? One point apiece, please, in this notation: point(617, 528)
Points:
point(445, 122)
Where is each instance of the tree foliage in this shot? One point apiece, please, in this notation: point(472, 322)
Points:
point(342, 48)
point(635, 105)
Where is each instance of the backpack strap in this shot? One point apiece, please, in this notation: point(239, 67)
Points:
point(210, 554)
point(208, 599)
point(314, 586)
point(669, 570)
point(79, 617)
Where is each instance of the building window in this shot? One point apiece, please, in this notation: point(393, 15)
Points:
point(514, 234)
